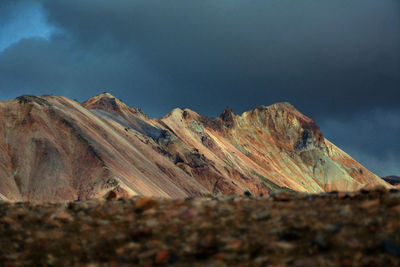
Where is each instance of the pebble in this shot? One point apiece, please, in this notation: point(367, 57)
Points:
point(7, 220)
point(391, 247)
point(284, 245)
point(370, 204)
point(345, 211)
point(145, 203)
point(162, 256)
point(188, 214)
point(281, 196)
point(342, 195)
point(332, 228)
point(396, 209)
point(233, 245)
point(62, 215)
point(263, 216)
point(147, 254)
point(320, 241)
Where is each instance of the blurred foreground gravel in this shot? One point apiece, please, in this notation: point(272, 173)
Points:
point(334, 229)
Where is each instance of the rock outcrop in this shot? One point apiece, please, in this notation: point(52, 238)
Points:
point(54, 149)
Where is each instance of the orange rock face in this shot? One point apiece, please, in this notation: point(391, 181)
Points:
point(55, 149)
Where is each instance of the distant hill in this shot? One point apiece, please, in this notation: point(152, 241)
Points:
point(393, 180)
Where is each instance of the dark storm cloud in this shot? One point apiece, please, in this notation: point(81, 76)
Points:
point(61, 67)
point(331, 59)
point(316, 54)
point(258, 51)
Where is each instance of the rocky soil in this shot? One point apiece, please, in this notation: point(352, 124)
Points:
point(329, 229)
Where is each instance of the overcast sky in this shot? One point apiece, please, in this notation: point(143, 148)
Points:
point(336, 61)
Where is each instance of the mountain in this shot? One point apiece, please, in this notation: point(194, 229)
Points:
point(393, 180)
point(54, 149)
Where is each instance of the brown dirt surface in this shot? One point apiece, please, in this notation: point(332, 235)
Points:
point(285, 229)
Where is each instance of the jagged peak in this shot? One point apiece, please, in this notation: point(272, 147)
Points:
point(185, 113)
point(32, 99)
point(190, 114)
point(176, 112)
point(104, 101)
point(278, 105)
point(227, 116)
point(104, 95)
point(226, 111)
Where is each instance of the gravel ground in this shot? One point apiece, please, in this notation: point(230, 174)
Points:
point(333, 229)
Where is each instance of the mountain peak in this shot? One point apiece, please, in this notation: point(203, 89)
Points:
point(278, 106)
point(106, 94)
point(105, 101)
point(32, 99)
point(283, 105)
point(227, 116)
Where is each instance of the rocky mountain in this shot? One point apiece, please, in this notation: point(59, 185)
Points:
point(55, 149)
point(393, 180)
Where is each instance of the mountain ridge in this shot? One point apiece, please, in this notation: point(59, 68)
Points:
point(56, 149)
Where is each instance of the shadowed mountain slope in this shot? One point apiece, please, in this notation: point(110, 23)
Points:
point(56, 149)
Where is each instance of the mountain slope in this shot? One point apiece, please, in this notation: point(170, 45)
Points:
point(56, 149)
point(276, 145)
